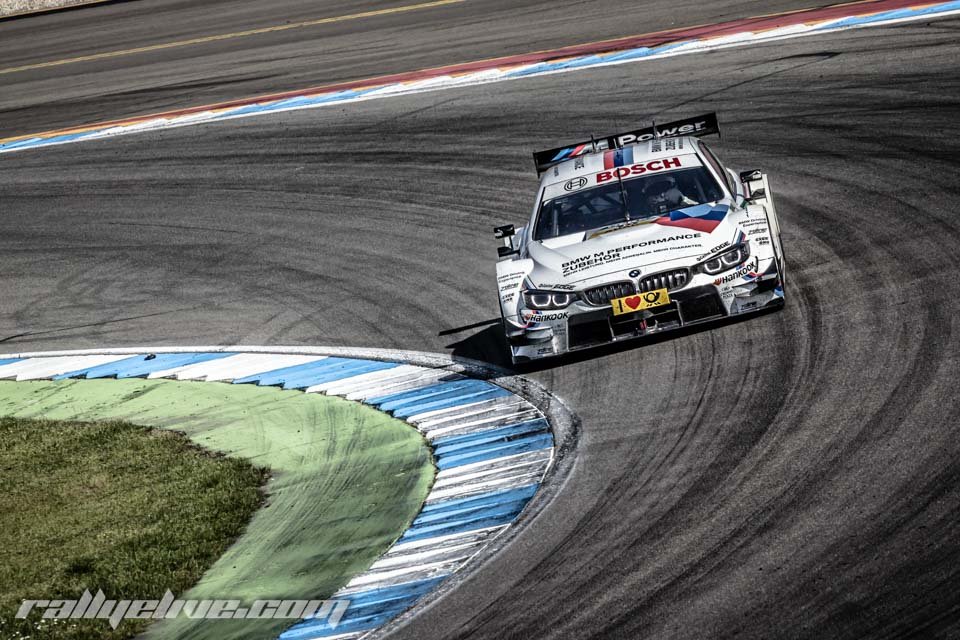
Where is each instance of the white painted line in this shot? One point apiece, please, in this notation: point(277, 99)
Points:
point(540, 455)
point(485, 424)
point(455, 412)
point(448, 554)
point(417, 381)
point(452, 538)
point(373, 578)
point(462, 491)
point(487, 408)
point(235, 367)
point(37, 368)
point(528, 468)
point(367, 380)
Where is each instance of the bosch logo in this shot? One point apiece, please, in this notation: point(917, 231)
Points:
point(574, 184)
point(635, 273)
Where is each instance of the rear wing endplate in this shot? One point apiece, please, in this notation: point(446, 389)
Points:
point(700, 126)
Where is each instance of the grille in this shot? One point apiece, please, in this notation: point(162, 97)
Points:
point(669, 280)
point(599, 296)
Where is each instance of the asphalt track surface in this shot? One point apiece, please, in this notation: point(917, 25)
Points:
point(242, 66)
point(792, 475)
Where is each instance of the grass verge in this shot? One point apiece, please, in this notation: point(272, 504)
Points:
point(346, 481)
point(102, 505)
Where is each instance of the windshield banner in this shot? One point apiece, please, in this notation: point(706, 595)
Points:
point(623, 172)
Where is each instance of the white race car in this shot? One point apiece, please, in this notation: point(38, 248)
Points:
point(635, 234)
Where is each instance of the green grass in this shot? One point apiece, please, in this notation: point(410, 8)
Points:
point(127, 509)
point(346, 481)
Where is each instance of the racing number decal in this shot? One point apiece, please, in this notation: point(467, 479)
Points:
point(630, 304)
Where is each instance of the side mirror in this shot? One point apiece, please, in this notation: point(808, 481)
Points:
point(750, 176)
point(503, 252)
point(505, 231)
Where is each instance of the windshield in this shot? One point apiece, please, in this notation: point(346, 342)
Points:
point(645, 197)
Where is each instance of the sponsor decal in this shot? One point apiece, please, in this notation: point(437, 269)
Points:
point(531, 318)
point(663, 132)
point(617, 158)
point(652, 166)
point(534, 317)
point(630, 304)
point(558, 287)
point(701, 125)
point(669, 239)
point(746, 270)
point(575, 183)
point(712, 251)
point(701, 217)
point(613, 255)
point(754, 232)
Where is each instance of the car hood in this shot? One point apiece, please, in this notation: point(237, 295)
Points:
point(602, 253)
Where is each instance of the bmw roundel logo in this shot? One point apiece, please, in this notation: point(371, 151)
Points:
point(635, 273)
point(575, 183)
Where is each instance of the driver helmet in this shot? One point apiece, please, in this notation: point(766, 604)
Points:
point(663, 190)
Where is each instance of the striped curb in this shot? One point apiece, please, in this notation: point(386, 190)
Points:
point(492, 443)
point(621, 51)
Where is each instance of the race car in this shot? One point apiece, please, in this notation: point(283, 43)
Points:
point(636, 234)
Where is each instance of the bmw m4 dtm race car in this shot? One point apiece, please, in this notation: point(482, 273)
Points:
point(635, 234)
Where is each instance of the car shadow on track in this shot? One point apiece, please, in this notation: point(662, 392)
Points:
point(490, 345)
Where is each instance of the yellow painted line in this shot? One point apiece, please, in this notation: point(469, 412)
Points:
point(315, 90)
point(230, 36)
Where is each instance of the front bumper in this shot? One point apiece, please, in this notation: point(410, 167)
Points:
point(582, 326)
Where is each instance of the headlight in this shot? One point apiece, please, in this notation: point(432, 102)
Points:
point(547, 299)
point(727, 260)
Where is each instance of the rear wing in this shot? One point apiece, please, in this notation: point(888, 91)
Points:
point(700, 126)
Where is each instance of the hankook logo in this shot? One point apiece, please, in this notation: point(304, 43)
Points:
point(574, 184)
